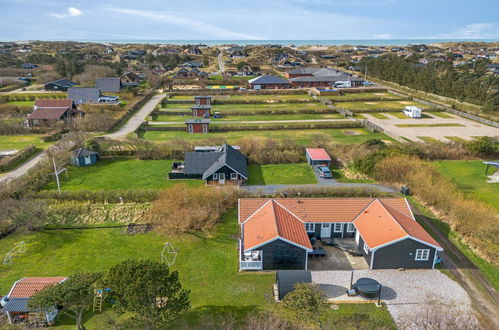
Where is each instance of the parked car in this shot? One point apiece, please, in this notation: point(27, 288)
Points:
point(217, 114)
point(368, 83)
point(325, 172)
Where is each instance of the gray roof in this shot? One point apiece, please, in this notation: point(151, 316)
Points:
point(17, 305)
point(81, 95)
point(81, 152)
point(197, 121)
point(206, 163)
point(268, 80)
point(62, 83)
point(325, 78)
point(109, 84)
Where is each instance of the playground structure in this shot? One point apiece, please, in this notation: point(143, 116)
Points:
point(99, 295)
point(168, 255)
point(19, 248)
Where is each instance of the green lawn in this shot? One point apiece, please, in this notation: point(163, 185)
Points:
point(22, 103)
point(207, 263)
point(357, 96)
point(21, 141)
point(227, 108)
point(469, 176)
point(379, 115)
point(429, 139)
point(304, 137)
point(257, 117)
point(281, 174)
point(381, 105)
point(263, 98)
point(109, 174)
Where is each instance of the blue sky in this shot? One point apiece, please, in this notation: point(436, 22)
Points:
point(256, 19)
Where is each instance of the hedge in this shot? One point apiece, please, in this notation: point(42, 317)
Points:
point(10, 161)
point(260, 127)
point(101, 196)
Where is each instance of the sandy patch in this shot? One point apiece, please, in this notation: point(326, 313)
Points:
point(405, 102)
point(371, 103)
point(380, 94)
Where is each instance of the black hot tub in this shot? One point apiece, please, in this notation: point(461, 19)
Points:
point(367, 287)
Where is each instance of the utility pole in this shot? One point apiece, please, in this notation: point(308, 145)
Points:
point(56, 177)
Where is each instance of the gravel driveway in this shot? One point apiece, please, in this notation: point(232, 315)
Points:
point(402, 290)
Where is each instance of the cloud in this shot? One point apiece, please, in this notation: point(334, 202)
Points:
point(470, 31)
point(71, 11)
point(383, 36)
point(217, 32)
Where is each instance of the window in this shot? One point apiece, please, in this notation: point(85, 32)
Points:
point(366, 248)
point(310, 227)
point(190, 128)
point(350, 227)
point(233, 176)
point(215, 176)
point(205, 128)
point(325, 225)
point(338, 227)
point(422, 254)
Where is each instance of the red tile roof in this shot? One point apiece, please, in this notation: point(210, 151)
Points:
point(272, 221)
point(318, 154)
point(48, 113)
point(64, 103)
point(321, 209)
point(28, 286)
point(380, 224)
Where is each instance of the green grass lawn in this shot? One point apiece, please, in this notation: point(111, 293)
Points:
point(304, 137)
point(21, 141)
point(429, 139)
point(281, 174)
point(22, 103)
point(469, 176)
point(357, 96)
point(263, 98)
point(381, 105)
point(227, 108)
point(109, 174)
point(207, 263)
point(379, 115)
point(257, 117)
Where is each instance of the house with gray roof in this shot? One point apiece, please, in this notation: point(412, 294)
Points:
point(59, 85)
point(90, 95)
point(111, 85)
point(220, 165)
point(268, 82)
point(320, 77)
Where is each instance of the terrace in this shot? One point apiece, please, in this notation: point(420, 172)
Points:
point(250, 260)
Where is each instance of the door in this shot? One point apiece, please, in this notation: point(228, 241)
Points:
point(221, 178)
point(357, 235)
point(326, 230)
point(87, 160)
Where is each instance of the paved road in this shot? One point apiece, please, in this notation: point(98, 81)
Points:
point(133, 123)
point(272, 189)
point(258, 121)
point(221, 66)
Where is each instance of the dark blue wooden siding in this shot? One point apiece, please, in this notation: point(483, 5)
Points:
point(280, 255)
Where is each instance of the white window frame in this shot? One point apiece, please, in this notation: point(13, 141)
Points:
point(340, 230)
point(233, 176)
point(326, 225)
point(350, 227)
point(310, 227)
point(215, 176)
point(190, 128)
point(205, 128)
point(422, 255)
point(366, 248)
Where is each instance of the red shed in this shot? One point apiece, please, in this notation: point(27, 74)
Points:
point(202, 100)
point(201, 111)
point(317, 156)
point(198, 125)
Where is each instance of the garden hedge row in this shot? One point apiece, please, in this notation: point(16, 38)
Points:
point(10, 161)
point(285, 126)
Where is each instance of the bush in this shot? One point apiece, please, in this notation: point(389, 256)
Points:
point(361, 191)
point(484, 145)
point(306, 302)
point(101, 196)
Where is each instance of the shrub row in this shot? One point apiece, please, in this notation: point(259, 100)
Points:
point(208, 91)
point(33, 96)
point(288, 126)
point(219, 101)
point(331, 191)
point(369, 99)
point(8, 162)
point(101, 196)
point(383, 110)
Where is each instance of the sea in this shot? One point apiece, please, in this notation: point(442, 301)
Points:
point(367, 42)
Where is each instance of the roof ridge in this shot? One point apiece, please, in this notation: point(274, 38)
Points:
point(276, 221)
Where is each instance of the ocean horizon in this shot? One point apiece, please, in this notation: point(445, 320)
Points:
point(337, 42)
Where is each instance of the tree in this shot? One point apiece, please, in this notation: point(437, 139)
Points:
point(74, 295)
point(306, 301)
point(149, 290)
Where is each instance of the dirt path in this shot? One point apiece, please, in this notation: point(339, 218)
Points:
point(484, 297)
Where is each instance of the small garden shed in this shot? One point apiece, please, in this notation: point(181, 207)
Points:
point(317, 156)
point(286, 280)
point(84, 157)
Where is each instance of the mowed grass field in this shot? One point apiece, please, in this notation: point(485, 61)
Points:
point(469, 176)
point(263, 98)
point(229, 117)
point(378, 105)
point(227, 108)
point(359, 96)
point(281, 174)
point(21, 141)
point(304, 137)
point(108, 174)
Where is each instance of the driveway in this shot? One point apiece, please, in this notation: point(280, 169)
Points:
point(467, 131)
point(404, 292)
point(138, 118)
point(221, 66)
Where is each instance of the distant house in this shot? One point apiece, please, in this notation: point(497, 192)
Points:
point(130, 79)
point(29, 66)
point(194, 50)
point(110, 85)
point(84, 157)
point(220, 165)
point(192, 65)
point(320, 77)
point(90, 95)
point(197, 125)
point(268, 82)
point(185, 73)
point(16, 301)
point(50, 112)
point(59, 85)
point(276, 233)
point(246, 70)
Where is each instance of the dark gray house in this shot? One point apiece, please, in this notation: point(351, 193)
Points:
point(84, 157)
point(89, 95)
point(59, 85)
point(110, 85)
point(277, 233)
point(222, 165)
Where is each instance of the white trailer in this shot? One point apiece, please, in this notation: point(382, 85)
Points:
point(412, 111)
point(342, 84)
